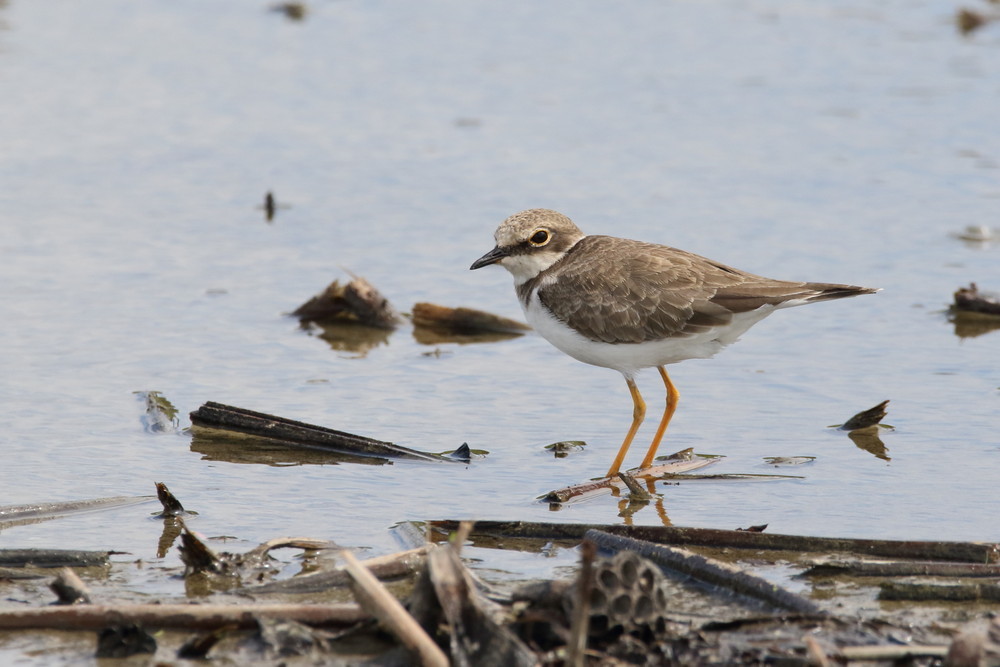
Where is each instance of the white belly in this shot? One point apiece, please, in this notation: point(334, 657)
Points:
point(629, 358)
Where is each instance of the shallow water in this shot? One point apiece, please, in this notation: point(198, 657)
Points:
point(830, 142)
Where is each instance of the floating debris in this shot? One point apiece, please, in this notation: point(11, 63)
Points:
point(977, 234)
point(171, 506)
point(971, 300)
point(564, 448)
point(464, 321)
point(969, 20)
point(293, 11)
point(356, 302)
point(160, 415)
point(788, 460)
point(587, 490)
point(236, 428)
point(865, 418)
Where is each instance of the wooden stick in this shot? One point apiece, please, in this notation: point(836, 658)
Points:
point(605, 485)
point(816, 653)
point(185, 616)
point(581, 615)
point(970, 552)
point(380, 603)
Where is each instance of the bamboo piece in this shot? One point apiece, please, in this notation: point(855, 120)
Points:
point(181, 616)
point(581, 617)
point(709, 570)
point(288, 432)
point(373, 597)
point(968, 552)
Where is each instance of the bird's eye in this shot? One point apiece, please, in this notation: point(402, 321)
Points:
point(540, 237)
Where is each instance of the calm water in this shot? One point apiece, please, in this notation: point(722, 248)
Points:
point(821, 141)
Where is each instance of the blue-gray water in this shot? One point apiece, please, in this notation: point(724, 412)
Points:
point(832, 141)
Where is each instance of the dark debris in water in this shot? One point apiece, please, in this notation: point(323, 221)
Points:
point(354, 302)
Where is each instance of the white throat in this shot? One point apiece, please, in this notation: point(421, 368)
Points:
point(528, 266)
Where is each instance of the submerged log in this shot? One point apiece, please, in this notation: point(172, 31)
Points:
point(232, 420)
point(968, 552)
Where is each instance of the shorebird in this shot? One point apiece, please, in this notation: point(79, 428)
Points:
point(629, 305)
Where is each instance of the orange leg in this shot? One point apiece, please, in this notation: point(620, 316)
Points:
point(638, 414)
point(672, 396)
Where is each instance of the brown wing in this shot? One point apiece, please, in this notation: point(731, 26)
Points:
point(622, 291)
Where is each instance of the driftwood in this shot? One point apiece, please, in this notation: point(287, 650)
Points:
point(181, 616)
point(356, 302)
point(381, 604)
point(392, 566)
point(969, 552)
point(971, 300)
point(53, 558)
point(464, 321)
point(708, 570)
point(224, 420)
